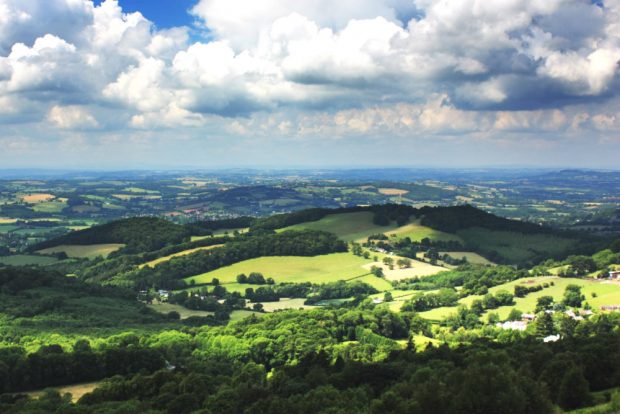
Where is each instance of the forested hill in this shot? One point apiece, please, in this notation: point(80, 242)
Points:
point(139, 234)
point(453, 219)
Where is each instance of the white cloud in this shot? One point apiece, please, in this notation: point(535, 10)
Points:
point(71, 117)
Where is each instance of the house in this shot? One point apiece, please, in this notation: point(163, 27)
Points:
point(528, 317)
point(614, 274)
point(551, 338)
point(377, 301)
point(610, 307)
point(514, 325)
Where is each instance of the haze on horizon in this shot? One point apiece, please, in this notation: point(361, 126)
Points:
point(275, 83)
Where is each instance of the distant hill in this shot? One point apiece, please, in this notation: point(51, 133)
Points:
point(139, 234)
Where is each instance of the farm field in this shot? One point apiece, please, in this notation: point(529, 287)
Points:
point(607, 293)
point(185, 313)
point(417, 269)
point(347, 226)
point(285, 303)
point(238, 315)
point(183, 253)
point(37, 198)
point(471, 257)
point(27, 260)
point(292, 269)
point(416, 232)
point(84, 251)
point(515, 247)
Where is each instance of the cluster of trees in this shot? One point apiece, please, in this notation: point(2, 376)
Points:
point(139, 234)
point(521, 291)
point(207, 227)
point(424, 302)
point(490, 301)
point(519, 377)
point(340, 290)
point(254, 278)
point(289, 243)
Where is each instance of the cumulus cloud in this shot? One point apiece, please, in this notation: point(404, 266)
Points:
point(358, 66)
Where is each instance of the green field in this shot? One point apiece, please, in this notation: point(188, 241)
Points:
point(515, 247)
point(347, 226)
point(606, 294)
point(292, 269)
point(49, 207)
point(183, 311)
point(27, 260)
point(285, 303)
point(86, 251)
point(471, 257)
point(416, 232)
point(76, 391)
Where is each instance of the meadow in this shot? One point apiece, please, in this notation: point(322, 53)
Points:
point(185, 313)
point(183, 253)
point(416, 232)
point(347, 226)
point(292, 269)
point(27, 260)
point(84, 251)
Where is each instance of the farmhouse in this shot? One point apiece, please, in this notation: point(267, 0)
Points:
point(614, 274)
point(528, 317)
point(514, 325)
point(610, 307)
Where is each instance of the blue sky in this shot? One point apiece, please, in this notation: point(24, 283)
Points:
point(225, 83)
point(164, 13)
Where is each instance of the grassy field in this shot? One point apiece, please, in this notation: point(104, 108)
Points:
point(184, 312)
point(6, 220)
point(183, 253)
point(472, 257)
point(49, 207)
point(37, 198)
point(606, 294)
point(76, 391)
point(26, 260)
point(295, 269)
point(347, 226)
point(417, 269)
point(285, 303)
point(238, 315)
point(87, 251)
point(515, 247)
point(416, 232)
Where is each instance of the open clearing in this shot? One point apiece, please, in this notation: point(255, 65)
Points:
point(185, 313)
point(347, 226)
point(471, 257)
point(26, 260)
point(416, 232)
point(392, 191)
point(285, 303)
point(76, 391)
point(292, 269)
point(84, 251)
point(37, 198)
point(417, 269)
point(183, 253)
point(607, 293)
point(515, 247)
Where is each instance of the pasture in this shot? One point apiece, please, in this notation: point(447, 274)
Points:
point(347, 226)
point(515, 247)
point(291, 269)
point(471, 257)
point(417, 269)
point(84, 251)
point(416, 232)
point(77, 391)
point(27, 260)
point(37, 198)
point(605, 293)
point(185, 313)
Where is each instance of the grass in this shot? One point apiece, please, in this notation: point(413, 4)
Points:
point(6, 220)
point(185, 313)
point(606, 294)
point(416, 232)
point(86, 251)
point(238, 315)
point(515, 247)
point(49, 207)
point(37, 198)
point(155, 262)
point(347, 226)
point(76, 391)
point(472, 257)
point(292, 269)
point(27, 260)
point(417, 269)
point(285, 303)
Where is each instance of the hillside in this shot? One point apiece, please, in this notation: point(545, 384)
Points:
point(138, 234)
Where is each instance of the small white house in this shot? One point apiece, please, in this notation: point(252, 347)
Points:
point(551, 338)
point(514, 325)
point(614, 274)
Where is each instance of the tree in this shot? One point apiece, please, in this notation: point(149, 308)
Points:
point(543, 303)
point(515, 315)
point(573, 296)
point(215, 281)
point(387, 297)
point(574, 389)
point(377, 271)
point(404, 263)
point(258, 307)
point(544, 325)
point(242, 278)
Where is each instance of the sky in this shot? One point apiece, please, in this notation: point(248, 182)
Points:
point(282, 83)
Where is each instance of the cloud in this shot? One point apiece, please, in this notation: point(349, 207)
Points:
point(71, 117)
